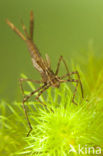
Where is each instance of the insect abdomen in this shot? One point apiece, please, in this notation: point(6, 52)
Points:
point(33, 50)
point(35, 55)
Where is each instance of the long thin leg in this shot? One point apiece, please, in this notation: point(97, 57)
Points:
point(58, 65)
point(24, 100)
point(22, 80)
point(43, 89)
point(77, 82)
point(71, 73)
point(11, 25)
point(31, 25)
point(76, 72)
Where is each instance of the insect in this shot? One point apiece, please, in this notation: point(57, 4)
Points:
point(43, 66)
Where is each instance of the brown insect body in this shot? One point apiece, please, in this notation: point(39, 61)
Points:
point(49, 78)
point(43, 66)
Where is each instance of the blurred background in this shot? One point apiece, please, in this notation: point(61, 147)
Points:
point(70, 28)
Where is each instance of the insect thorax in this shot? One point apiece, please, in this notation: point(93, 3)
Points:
point(50, 77)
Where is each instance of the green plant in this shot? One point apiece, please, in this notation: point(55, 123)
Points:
point(54, 133)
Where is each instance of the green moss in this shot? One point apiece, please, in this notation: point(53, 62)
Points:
point(54, 133)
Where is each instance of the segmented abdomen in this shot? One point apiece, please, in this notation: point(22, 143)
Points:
point(35, 55)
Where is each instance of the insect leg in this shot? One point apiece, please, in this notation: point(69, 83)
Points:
point(31, 24)
point(58, 65)
point(22, 80)
point(72, 73)
point(37, 97)
point(77, 73)
point(24, 100)
point(77, 82)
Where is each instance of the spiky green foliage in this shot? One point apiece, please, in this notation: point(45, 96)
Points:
point(57, 129)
